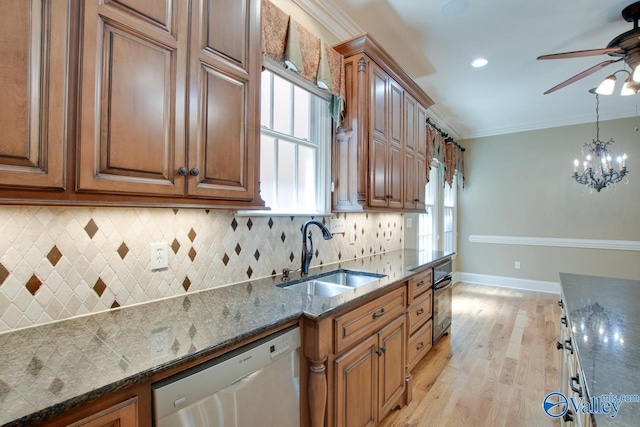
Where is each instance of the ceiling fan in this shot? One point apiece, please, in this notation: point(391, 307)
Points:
point(625, 47)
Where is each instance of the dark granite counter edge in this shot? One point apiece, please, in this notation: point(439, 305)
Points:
point(47, 413)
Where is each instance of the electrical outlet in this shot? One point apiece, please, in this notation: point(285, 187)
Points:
point(517, 265)
point(159, 254)
point(352, 237)
point(159, 343)
point(409, 222)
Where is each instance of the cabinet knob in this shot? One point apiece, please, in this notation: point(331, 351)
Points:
point(563, 320)
point(182, 171)
point(559, 345)
point(381, 351)
point(389, 196)
point(419, 312)
point(561, 304)
point(194, 171)
point(568, 345)
point(416, 200)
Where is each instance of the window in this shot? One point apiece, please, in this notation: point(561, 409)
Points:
point(449, 216)
point(441, 214)
point(295, 137)
point(428, 222)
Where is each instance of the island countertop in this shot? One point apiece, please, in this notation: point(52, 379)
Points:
point(604, 314)
point(48, 369)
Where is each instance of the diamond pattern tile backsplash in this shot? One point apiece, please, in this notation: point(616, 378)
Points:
point(58, 262)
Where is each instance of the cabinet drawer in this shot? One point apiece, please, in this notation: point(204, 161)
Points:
point(420, 283)
point(420, 311)
point(419, 344)
point(351, 327)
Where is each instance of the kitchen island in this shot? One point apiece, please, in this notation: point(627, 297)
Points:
point(49, 369)
point(603, 321)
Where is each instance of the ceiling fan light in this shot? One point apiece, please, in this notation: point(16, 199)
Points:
point(607, 86)
point(636, 74)
point(627, 89)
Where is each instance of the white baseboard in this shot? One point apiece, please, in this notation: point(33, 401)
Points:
point(508, 282)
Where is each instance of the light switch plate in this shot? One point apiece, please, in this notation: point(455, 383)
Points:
point(337, 226)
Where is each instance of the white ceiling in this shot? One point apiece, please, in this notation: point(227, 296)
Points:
point(506, 95)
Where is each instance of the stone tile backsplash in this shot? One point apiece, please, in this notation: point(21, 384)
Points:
point(58, 262)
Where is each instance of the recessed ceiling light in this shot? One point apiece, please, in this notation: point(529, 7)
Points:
point(480, 62)
point(454, 7)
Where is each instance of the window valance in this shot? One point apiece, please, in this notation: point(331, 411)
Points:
point(287, 42)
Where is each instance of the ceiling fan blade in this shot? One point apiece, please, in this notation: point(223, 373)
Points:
point(580, 53)
point(582, 75)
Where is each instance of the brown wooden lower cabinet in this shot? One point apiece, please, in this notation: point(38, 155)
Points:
point(130, 407)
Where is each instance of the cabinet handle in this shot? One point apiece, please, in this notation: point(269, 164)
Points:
point(416, 200)
point(420, 283)
point(561, 304)
point(563, 320)
point(419, 312)
point(389, 196)
point(568, 345)
point(576, 380)
point(420, 346)
point(568, 417)
point(381, 351)
point(559, 345)
point(376, 315)
point(182, 171)
point(194, 171)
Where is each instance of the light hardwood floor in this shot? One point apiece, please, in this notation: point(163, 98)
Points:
point(496, 367)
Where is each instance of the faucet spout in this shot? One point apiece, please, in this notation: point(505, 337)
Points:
point(307, 249)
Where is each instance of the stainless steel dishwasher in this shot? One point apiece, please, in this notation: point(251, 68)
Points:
point(255, 385)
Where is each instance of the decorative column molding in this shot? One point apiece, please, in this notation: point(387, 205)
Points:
point(317, 392)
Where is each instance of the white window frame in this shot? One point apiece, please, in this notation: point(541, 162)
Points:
point(436, 185)
point(320, 131)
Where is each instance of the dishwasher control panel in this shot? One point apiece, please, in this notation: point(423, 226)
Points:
point(283, 344)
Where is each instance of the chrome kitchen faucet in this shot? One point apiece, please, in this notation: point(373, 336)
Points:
point(307, 251)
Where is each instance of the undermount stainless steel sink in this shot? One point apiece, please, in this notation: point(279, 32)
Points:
point(334, 283)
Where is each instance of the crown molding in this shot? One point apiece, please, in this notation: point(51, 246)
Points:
point(442, 120)
point(526, 127)
point(331, 17)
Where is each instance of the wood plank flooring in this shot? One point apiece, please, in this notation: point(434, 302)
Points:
point(496, 367)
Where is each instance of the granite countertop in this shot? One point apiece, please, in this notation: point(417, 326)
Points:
point(604, 314)
point(46, 370)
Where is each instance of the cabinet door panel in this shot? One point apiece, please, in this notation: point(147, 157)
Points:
point(395, 176)
point(357, 385)
point(378, 173)
point(133, 105)
point(409, 180)
point(221, 150)
point(33, 81)
point(226, 26)
point(395, 113)
point(225, 91)
point(392, 364)
point(379, 105)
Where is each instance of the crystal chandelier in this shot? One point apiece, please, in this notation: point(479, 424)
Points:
point(598, 171)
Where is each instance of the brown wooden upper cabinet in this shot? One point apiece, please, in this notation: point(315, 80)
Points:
point(379, 159)
point(34, 72)
point(169, 99)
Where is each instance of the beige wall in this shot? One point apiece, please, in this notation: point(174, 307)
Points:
point(520, 185)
